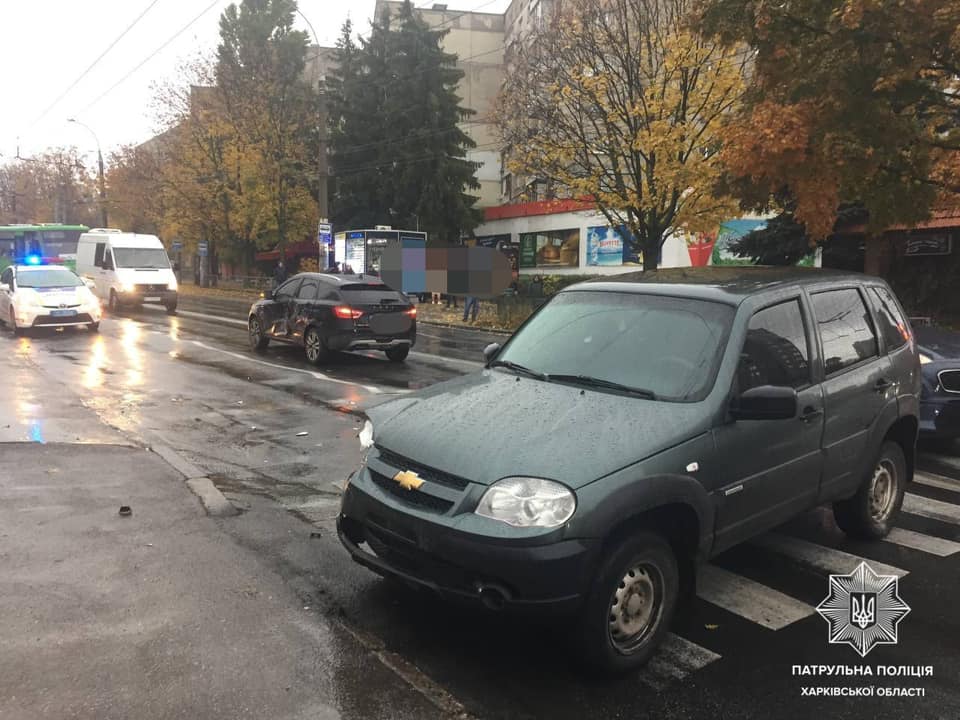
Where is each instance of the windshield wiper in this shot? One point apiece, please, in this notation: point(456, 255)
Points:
point(600, 383)
point(517, 367)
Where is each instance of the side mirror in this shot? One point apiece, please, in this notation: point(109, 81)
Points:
point(490, 351)
point(767, 402)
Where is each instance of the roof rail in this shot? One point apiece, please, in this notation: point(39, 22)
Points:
point(104, 230)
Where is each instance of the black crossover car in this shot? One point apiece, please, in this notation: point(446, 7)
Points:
point(327, 313)
point(940, 398)
point(632, 427)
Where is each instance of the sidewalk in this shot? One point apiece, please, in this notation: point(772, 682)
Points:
point(160, 614)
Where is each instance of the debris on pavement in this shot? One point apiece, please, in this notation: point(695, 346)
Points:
point(125, 511)
point(302, 434)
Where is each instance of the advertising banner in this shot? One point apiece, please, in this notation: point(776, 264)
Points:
point(551, 248)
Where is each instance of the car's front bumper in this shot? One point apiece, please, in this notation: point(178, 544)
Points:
point(36, 317)
point(140, 295)
point(430, 551)
point(940, 417)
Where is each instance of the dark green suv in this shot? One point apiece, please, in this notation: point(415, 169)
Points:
point(636, 426)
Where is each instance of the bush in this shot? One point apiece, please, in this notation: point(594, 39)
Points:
point(547, 285)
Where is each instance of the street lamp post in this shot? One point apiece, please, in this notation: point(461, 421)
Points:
point(103, 186)
point(322, 169)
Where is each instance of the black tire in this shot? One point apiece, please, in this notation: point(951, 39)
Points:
point(171, 309)
point(113, 304)
point(94, 327)
point(398, 354)
point(12, 324)
point(612, 641)
point(258, 338)
point(871, 512)
point(314, 347)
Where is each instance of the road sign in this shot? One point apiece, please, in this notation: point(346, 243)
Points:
point(176, 246)
point(202, 248)
point(325, 233)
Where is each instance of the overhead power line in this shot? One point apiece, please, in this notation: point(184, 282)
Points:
point(90, 67)
point(149, 57)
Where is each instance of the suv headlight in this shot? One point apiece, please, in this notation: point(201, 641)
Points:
point(528, 502)
point(924, 359)
point(127, 287)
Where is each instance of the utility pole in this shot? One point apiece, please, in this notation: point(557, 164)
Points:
point(102, 183)
point(323, 170)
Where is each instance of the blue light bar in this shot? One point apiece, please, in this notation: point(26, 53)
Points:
point(33, 259)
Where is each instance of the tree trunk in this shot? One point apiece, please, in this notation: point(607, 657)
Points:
point(651, 253)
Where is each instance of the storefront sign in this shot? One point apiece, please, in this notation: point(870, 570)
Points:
point(929, 244)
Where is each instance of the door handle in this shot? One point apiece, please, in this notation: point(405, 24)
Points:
point(882, 385)
point(810, 413)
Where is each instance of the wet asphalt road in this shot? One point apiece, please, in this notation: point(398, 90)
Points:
point(192, 383)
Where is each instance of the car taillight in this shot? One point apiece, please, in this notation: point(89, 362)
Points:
point(412, 312)
point(346, 313)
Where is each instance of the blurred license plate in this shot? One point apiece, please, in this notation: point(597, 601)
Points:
point(62, 313)
point(151, 299)
point(389, 323)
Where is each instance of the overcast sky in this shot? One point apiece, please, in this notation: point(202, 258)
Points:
point(47, 44)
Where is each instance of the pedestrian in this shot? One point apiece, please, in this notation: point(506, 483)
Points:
point(451, 301)
point(471, 306)
point(434, 298)
point(279, 274)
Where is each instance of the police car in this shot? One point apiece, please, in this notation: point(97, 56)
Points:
point(36, 294)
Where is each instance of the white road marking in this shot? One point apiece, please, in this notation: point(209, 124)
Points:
point(818, 557)
point(944, 459)
point(318, 375)
point(751, 600)
point(937, 481)
point(675, 659)
point(933, 509)
point(923, 543)
point(218, 318)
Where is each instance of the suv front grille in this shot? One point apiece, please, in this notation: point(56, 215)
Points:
point(950, 380)
point(416, 498)
point(427, 473)
point(144, 289)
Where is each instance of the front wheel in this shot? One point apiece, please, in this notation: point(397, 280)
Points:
point(870, 513)
point(258, 338)
point(114, 303)
point(631, 605)
point(12, 323)
point(313, 346)
point(397, 354)
point(94, 327)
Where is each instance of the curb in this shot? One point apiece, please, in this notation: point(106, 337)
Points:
point(214, 502)
point(464, 327)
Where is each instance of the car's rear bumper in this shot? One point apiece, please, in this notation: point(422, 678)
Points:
point(940, 417)
point(362, 339)
point(381, 536)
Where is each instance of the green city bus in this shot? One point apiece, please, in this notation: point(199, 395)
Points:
point(44, 241)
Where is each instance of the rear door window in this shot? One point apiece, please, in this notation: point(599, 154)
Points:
point(892, 324)
point(370, 294)
point(846, 330)
point(98, 254)
point(308, 290)
point(776, 351)
point(288, 290)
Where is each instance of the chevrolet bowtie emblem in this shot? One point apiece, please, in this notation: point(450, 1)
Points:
point(408, 479)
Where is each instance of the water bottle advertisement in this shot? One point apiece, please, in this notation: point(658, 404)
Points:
point(606, 247)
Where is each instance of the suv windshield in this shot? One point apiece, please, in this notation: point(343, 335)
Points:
point(144, 258)
point(47, 278)
point(669, 347)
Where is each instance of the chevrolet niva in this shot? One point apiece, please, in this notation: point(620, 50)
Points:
point(632, 428)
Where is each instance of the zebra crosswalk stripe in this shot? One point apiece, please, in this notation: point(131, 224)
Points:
point(923, 543)
point(749, 599)
point(819, 557)
point(675, 659)
point(933, 509)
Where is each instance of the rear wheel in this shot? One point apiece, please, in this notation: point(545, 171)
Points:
point(258, 339)
point(398, 354)
point(114, 303)
point(870, 513)
point(631, 604)
point(313, 346)
point(171, 308)
point(94, 327)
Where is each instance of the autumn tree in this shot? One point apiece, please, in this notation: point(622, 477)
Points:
point(53, 186)
point(135, 179)
point(620, 101)
point(271, 107)
point(851, 101)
